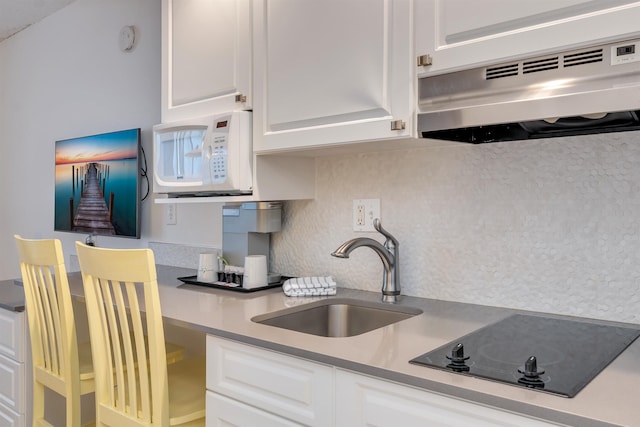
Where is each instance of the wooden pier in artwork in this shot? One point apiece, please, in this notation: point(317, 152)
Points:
point(93, 215)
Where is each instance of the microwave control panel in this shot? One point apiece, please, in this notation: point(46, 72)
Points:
point(217, 153)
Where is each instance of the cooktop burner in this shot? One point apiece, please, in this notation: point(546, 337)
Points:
point(551, 355)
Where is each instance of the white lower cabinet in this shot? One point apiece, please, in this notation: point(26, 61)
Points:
point(11, 378)
point(366, 401)
point(249, 386)
point(265, 387)
point(223, 411)
point(15, 370)
point(8, 418)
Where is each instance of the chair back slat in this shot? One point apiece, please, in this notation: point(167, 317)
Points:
point(52, 331)
point(114, 344)
point(120, 288)
point(125, 359)
point(141, 351)
point(37, 310)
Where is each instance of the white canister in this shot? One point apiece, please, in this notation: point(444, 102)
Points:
point(255, 271)
point(208, 268)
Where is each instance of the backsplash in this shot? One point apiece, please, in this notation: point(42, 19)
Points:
point(550, 225)
point(178, 255)
point(173, 254)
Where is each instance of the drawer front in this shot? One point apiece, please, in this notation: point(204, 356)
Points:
point(9, 418)
point(222, 411)
point(366, 401)
point(293, 388)
point(12, 379)
point(12, 334)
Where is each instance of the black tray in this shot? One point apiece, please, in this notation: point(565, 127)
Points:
point(192, 281)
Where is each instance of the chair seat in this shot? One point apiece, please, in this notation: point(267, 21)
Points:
point(187, 390)
point(175, 353)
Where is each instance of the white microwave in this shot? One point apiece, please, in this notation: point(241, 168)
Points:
point(206, 156)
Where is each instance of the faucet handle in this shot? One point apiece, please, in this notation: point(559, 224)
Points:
point(390, 239)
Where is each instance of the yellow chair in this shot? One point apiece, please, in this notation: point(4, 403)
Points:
point(121, 293)
point(58, 364)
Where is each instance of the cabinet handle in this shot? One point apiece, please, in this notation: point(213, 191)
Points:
point(241, 98)
point(424, 60)
point(397, 125)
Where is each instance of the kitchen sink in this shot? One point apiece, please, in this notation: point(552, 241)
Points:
point(340, 317)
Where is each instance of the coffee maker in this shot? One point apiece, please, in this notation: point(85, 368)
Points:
point(246, 230)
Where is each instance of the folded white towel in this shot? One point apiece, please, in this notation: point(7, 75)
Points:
point(309, 286)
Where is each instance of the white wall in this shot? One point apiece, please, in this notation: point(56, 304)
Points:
point(550, 225)
point(65, 77)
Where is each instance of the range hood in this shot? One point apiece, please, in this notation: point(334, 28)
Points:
point(585, 91)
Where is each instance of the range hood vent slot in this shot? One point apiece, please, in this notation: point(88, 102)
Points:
point(583, 58)
point(540, 65)
point(502, 71)
point(544, 64)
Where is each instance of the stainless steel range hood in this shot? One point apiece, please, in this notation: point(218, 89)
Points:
point(584, 91)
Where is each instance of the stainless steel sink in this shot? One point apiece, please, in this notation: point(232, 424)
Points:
point(340, 317)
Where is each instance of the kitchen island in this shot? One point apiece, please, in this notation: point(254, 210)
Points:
point(609, 399)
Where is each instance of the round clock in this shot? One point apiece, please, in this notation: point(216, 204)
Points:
point(127, 38)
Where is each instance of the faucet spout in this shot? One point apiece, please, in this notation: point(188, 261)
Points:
point(388, 253)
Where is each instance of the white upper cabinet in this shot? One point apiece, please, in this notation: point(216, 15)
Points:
point(206, 57)
point(461, 34)
point(331, 72)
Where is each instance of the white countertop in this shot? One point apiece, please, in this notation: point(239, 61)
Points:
point(610, 399)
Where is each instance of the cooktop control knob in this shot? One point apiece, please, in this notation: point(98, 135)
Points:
point(531, 373)
point(458, 359)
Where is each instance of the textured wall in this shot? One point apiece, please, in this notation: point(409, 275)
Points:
point(549, 225)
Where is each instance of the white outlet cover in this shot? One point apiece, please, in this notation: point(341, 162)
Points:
point(371, 211)
point(171, 214)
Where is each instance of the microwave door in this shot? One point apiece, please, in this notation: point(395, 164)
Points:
point(179, 155)
point(193, 142)
point(187, 156)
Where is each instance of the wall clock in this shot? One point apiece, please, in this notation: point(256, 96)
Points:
point(127, 38)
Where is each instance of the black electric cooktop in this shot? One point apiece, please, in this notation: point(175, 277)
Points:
point(552, 355)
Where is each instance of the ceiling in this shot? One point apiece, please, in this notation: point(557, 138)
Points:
point(16, 15)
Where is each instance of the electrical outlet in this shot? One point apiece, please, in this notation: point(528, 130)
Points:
point(171, 213)
point(364, 212)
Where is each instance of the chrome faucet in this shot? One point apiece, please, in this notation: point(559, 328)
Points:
point(388, 253)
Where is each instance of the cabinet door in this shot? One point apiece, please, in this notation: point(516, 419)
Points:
point(9, 418)
point(12, 381)
point(331, 71)
point(13, 334)
point(366, 401)
point(206, 57)
point(290, 387)
point(462, 34)
point(222, 411)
